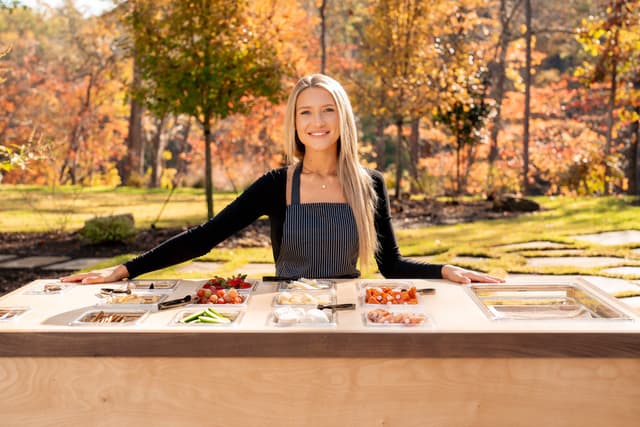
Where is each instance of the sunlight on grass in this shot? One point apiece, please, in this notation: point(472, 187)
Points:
point(31, 208)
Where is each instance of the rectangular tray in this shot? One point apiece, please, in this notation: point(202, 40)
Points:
point(144, 300)
point(561, 301)
point(299, 297)
point(110, 317)
point(253, 287)
point(400, 317)
point(245, 293)
point(154, 285)
point(364, 285)
point(320, 285)
point(8, 314)
point(55, 288)
point(234, 315)
point(332, 315)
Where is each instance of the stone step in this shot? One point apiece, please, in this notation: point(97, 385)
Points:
point(33, 261)
point(611, 238)
point(5, 257)
point(75, 264)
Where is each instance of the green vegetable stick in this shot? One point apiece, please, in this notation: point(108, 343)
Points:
point(208, 319)
point(193, 317)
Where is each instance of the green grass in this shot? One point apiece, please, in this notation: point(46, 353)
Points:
point(29, 208)
point(559, 220)
point(33, 208)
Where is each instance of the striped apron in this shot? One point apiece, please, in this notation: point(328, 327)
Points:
point(319, 240)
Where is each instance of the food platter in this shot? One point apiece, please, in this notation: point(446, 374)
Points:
point(299, 316)
point(51, 288)
point(559, 301)
point(201, 318)
point(110, 317)
point(8, 314)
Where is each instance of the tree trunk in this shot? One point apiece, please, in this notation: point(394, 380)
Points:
point(458, 150)
point(414, 152)
point(182, 165)
point(499, 92)
point(527, 101)
point(380, 144)
point(634, 158)
point(399, 159)
point(158, 144)
point(610, 119)
point(207, 166)
point(134, 163)
point(323, 33)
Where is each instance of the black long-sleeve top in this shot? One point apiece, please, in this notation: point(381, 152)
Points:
point(267, 196)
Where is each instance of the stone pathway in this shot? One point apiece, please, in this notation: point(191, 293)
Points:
point(611, 238)
point(199, 267)
point(574, 261)
point(34, 262)
point(535, 245)
point(547, 255)
point(6, 257)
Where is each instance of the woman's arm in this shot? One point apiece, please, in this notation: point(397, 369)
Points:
point(392, 265)
point(257, 200)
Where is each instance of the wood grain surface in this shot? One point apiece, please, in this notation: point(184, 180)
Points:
point(319, 344)
point(319, 392)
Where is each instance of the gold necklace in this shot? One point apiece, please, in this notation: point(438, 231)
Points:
point(323, 185)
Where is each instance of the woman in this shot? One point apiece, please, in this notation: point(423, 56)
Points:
point(326, 210)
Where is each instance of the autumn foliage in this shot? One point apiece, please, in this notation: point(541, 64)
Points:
point(437, 87)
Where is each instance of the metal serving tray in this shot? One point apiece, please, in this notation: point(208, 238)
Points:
point(149, 284)
point(12, 313)
point(537, 301)
point(233, 315)
point(110, 317)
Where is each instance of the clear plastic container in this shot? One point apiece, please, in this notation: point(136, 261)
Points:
point(55, 288)
point(142, 300)
point(307, 285)
point(396, 317)
point(388, 293)
point(8, 314)
point(297, 316)
point(110, 317)
point(303, 298)
point(246, 296)
point(253, 282)
point(234, 317)
point(542, 301)
point(153, 285)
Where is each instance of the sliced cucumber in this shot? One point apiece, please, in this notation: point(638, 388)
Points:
point(193, 317)
point(208, 319)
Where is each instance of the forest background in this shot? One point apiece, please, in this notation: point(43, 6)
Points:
point(462, 97)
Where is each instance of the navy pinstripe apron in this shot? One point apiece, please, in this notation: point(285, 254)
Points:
point(319, 240)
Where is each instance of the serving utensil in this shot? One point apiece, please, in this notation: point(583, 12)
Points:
point(347, 306)
point(174, 303)
point(111, 291)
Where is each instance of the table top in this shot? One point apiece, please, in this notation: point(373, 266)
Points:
point(456, 326)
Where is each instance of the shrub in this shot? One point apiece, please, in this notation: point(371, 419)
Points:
point(115, 228)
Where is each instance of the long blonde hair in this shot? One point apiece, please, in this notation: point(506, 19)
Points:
point(355, 181)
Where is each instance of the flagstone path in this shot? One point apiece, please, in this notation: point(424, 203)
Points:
point(548, 254)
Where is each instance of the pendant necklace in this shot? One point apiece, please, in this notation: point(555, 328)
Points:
point(323, 185)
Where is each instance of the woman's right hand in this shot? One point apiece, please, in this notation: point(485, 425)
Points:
point(106, 275)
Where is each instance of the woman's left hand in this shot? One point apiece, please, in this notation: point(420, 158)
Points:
point(464, 276)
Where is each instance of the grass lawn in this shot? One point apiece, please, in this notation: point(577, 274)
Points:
point(36, 208)
point(29, 208)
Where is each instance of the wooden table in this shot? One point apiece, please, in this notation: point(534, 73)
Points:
point(465, 371)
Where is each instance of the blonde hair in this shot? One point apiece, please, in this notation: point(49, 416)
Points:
point(355, 181)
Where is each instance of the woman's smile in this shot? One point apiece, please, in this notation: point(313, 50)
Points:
point(317, 120)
